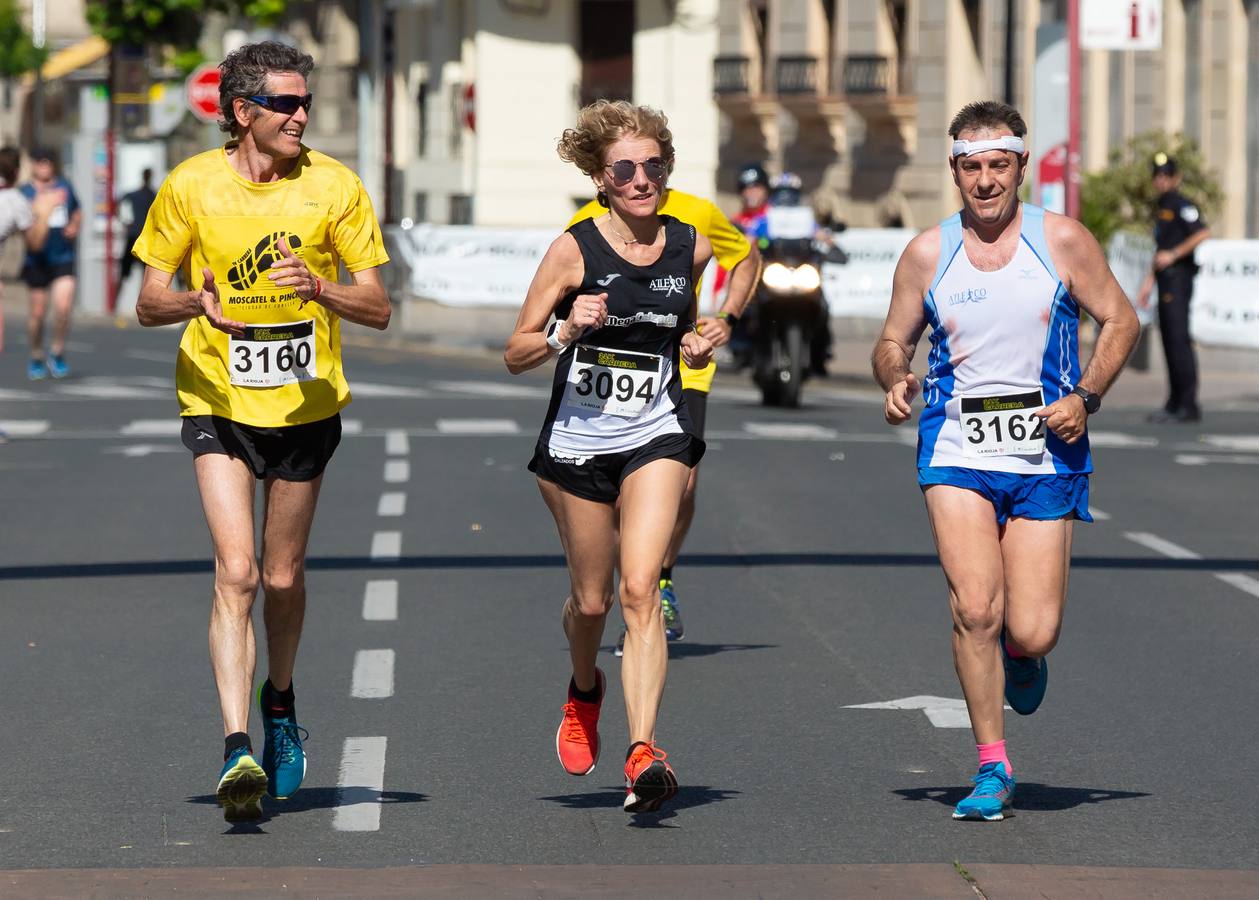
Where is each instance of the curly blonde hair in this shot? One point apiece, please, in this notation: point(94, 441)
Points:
point(604, 122)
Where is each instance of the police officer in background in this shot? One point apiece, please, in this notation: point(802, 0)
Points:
point(1178, 230)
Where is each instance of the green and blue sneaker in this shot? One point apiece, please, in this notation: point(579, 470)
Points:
point(283, 758)
point(673, 629)
point(1026, 678)
point(241, 786)
point(992, 797)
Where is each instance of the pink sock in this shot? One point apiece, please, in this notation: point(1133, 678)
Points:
point(995, 752)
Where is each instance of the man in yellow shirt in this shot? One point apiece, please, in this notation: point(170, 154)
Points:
point(734, 253)
point(259, 228)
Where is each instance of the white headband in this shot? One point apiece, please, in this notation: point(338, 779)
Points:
point(1005, 142)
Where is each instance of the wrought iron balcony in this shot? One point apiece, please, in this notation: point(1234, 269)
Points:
point(731, 74)
point(874, 75)
point(796, 75)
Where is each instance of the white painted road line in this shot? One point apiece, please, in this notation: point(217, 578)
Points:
point(397, 471)
point(380, 601)
point(154, 427)
point(1098, 514)
point(1203, 459)
point(1244, 442)
point(373, 675)
point(23, 427)
point(397, 443)
point(392, 503)
point(1238, 580)
point(477, 426)
point(492, 389)
point(351, 426)
point(1118, 439)
point(364, 389)
point(791, 431)
point(360, 784)
point(1159, 545)
point(386, 545)
point(151, 356)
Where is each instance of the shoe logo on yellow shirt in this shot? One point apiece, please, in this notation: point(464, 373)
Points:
point(245, 272)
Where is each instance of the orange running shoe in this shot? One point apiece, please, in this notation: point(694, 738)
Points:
point(649, 782)
point(577, 740)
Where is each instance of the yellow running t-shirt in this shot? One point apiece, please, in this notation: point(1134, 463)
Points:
point(208, 215)
point(730, 247)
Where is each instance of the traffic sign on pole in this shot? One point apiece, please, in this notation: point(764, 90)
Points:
point(202, 89)
point(1121, 24)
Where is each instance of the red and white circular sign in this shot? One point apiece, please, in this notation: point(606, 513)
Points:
point(202, 88)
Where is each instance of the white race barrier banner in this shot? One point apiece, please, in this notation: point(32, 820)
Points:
point(466, 265)
point(1130, 257)
point(863, 285)
point(1225, 305)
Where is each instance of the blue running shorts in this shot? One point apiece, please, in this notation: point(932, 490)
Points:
point(1018, 496)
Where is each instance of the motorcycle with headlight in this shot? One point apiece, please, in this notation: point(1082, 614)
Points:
point(789, 305)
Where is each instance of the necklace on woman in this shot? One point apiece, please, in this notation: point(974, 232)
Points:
point(629, 241)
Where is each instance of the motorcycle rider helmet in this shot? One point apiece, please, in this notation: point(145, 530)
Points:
point(752, 173)
point(785, 190)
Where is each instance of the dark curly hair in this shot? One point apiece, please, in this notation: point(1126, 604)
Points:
point(245, 70)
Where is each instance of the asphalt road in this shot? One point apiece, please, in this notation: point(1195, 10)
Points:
point(809, 585)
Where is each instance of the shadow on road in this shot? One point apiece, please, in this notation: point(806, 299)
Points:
point(688, 797)
point(1030, 796)
point(690, 649)
point(313, 798)
point(556, 561)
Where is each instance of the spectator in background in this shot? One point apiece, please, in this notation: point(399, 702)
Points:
point(19, 214)
point(133, 211)
point(1178, 230)
point(50, 270)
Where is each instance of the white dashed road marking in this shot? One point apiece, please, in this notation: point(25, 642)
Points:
point(794, 431)
point(360, 784)
point(392, 503)
point(380, 601)
point(154, 427)
point(373, 675)
point(23, 427)
point(1243, 442)
point(1205, 459)
point(386, 545)
point(1174, 551)
point(1098, 514)
point(477, 426)
point(397, 443)
point(397, 471)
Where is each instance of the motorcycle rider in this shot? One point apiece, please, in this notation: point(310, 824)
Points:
point(788, 217)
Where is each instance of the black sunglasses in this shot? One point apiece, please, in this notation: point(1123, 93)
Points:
point(623, 170)
point(284, 104)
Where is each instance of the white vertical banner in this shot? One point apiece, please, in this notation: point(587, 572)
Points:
point(1225, 305)
point(1130, 256)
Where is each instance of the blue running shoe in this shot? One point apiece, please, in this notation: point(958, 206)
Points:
point(241, 786)
point(992, 796)
point(673, 629)
point(1025, 680)
point(283, 758)
point(57, 366)
point(36, 370)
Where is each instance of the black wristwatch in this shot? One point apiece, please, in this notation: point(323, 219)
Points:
point(730, 319)
point(1092, 402)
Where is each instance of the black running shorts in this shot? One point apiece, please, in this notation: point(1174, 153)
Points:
point(697, 406)
point(41, 275)
point(291, 453)
point(599, 477)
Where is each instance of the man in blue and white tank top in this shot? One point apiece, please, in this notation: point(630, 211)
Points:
point(1003, 455)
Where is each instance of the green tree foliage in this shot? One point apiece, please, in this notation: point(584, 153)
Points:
point(177, 23)
point(1121, 197)
point(18, 54)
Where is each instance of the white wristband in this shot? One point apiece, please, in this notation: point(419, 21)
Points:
point(553, 337)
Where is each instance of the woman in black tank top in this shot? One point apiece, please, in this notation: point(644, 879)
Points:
point(617, 440)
